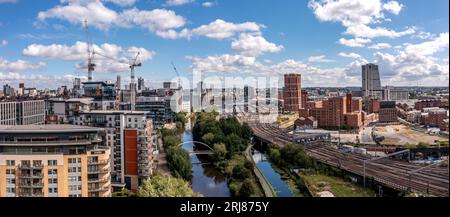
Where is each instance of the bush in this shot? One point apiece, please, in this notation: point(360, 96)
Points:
point(247, 188)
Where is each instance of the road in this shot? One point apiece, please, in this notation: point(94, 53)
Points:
point(392, 173)
point(366, 136)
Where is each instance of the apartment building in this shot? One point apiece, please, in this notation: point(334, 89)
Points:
point(292, 93)
point(53, 161)
point(22, 112)
point(343, 111)
point(132, 140)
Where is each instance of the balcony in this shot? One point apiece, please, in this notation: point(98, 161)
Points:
point(29, 194)
point(32, 176)
point(98, 189)
point(100, 162)
point(99, 171)
point(98, 180)
point(31, 185)
point(34, 166)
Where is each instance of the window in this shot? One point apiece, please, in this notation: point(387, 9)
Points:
point(79, 169)
point(52, 171)
point(79, 178)
point(129, 119)
point(11, 190)
point(10, 181)
point(135, 119)
point(10, 162)
point(10, 171)
point(72, 169)
point(79, 160)
point(53, 190)
point(52, 162)
point(53, 181)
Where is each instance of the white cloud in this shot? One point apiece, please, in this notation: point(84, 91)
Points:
point(122, 3)
point(380, 46)
point(208, 4)
point(154, 20)
point(101, 17)
point(177, 2)
point(77, 52)
point(357, 15)
point(254, 45)
point(437, 44)
point(77, 12)
point(224, 63)
point(38, 80)
point(3, 43)
point(218, 29)
point(19, 66)
point(320, 59)
point(350, 55)
point(365, 31)
point(393, 7)
point(354, 42)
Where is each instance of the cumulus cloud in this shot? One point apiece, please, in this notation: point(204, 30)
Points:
point(218, 29)
point(354, 42)
point(164, 23)
point(177, 2)
point(254, 45)
point(350, 55)
point(115, 59)
point(393, 7)
point(19, 66)
point(437, 44)
point(320, 59)
point(38, 80)
point(379, 46)
point(357, 16)
point(207, 4)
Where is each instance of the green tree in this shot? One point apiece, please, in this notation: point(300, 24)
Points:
point(220, 152)
point(165, 186)
point(179, 162)
point(124, 193)
point(208, 138)
point(247, 188)
point(170, 141)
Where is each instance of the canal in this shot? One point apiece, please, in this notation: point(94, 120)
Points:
point(274, 178)
point(206, 179)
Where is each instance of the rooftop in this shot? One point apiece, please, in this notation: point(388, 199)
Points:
point(53, 128)
point(112, 112)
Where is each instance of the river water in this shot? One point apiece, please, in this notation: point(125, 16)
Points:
point(206, 179)
point(278, 184)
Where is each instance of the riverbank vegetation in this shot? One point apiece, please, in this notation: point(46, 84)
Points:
point(305, 176)
point(229, 139)
point(178, 159)
point(165, 186)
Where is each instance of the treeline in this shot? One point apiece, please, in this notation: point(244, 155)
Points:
point(290, 156)
point(229, 139)
point(178, 159)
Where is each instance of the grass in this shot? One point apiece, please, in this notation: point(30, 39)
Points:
point(338, 186)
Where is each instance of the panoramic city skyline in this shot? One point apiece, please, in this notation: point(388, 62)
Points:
point(325, 41)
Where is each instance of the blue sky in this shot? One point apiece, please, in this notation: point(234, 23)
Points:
point(325, 41)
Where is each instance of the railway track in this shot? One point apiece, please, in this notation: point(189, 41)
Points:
point(392, 173)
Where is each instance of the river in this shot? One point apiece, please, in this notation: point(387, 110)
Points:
point(206, 179)
point(278, 184)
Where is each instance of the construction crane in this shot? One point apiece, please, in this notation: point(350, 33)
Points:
point(132, 66)
point(178, 74)
point(90, 54)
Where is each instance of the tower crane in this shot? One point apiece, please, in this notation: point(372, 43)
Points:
point(178, 74)
point(134, 63)
point(90, 54)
